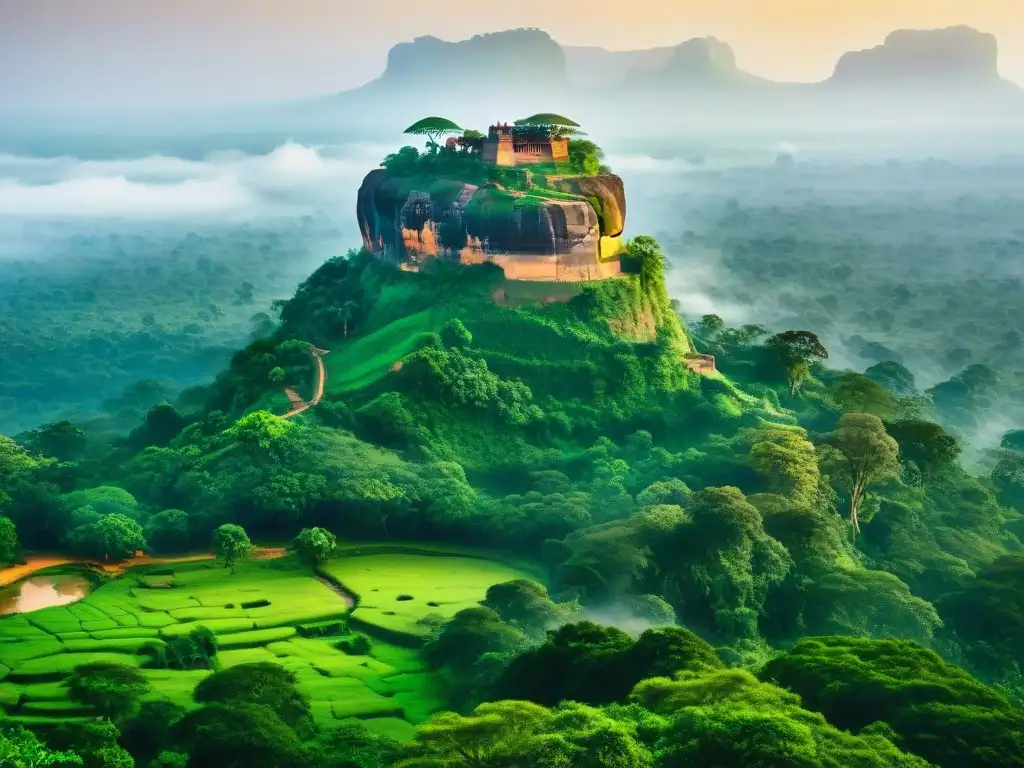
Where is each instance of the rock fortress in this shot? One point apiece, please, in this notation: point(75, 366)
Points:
point(531, 196)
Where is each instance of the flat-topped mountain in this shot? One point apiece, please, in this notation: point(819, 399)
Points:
point(517, 59)
point(949, 73)
point(702, 62)
point(957, 56)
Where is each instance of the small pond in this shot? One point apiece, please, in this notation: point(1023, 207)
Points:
point(43, 591)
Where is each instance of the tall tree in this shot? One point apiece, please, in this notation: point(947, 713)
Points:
point(8, 540)
point(796, 351)
point(62, 440)
point(231, 543)
point(315, 545)
point(864, 454)
point(110, 537)
point(113, 689)
point(433, 128)
point(857, 393)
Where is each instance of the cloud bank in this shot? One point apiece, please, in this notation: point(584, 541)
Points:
point(159, 187)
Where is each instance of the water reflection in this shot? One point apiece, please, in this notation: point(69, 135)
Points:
point(42, 592)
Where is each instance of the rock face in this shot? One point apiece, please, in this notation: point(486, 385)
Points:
point(515, 58)
point(956, 55)
point(408, 220)
point(702, 62)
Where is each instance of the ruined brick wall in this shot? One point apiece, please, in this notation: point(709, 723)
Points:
point(499, 150)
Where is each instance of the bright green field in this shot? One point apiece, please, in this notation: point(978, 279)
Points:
point(370, 357)
point(395, 589)
point(262, 613)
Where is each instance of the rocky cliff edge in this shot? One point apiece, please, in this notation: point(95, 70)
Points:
point(566, 229)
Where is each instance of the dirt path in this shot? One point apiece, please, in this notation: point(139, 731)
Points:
point(298, 405)
point(39, 562)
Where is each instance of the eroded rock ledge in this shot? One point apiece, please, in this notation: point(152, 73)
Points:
point(563, 228)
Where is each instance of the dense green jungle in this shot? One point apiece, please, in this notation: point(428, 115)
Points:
point(522, 532)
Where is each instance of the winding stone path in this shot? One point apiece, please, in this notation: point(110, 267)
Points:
point(298, 404)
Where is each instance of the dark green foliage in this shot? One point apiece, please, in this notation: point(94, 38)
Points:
point(935, 710)
point(585, 157)
point(110, 537)
point(22, 749)
point(525, 604)
point(926, 444)
point(727, 717)
point(239, 734)
point(113, 689)
point(352, 746)
point(62, 440)
point(455, 334)
point(523, 734)
point(471, 634)
point(193, 651)
point(1008, 479)
point(231, 543)
point(356, 645)
point(597, 665)
point(724, 563)
point(857, 393)
point(315, 545)
point(795, 352)
point(387, 420)
point(461, 380)
point(168, 531)
point(95, 741)
point(987, 615)
point(8, 540)
point(148, 732)
point(894, 377)
point(261, 684)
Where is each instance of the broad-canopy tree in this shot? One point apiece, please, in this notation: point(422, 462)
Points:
point(113, 689)
point(433, 128)
point(62, 440)
point(786, 459)
point(239, 734)
point(520, 733)
point(726, 717)
point(863, 454)
point(110, 537)
point(857, 393)
point(935, 710)
point(925, 443)
point(231, 543)
point(260, 683)
point(315, 545)
point(719, 564)
point(795, 352)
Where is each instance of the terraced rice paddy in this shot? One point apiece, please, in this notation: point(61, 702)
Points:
point(270, 610)
point(396, 590)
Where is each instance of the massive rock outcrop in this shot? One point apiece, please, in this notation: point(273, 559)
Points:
point(935, 57)
point(696, 64)
point(533, 235)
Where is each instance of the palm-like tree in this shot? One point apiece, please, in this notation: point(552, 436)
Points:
point(433, 128)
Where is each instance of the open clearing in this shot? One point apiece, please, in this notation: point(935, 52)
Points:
point(270, 610)
point(397, 589)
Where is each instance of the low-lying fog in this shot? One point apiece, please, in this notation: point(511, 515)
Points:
point(156, 264)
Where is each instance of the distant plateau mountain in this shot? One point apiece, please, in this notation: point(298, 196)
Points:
point(942, 71)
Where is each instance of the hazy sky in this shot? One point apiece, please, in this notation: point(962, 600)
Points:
point(173, 52)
